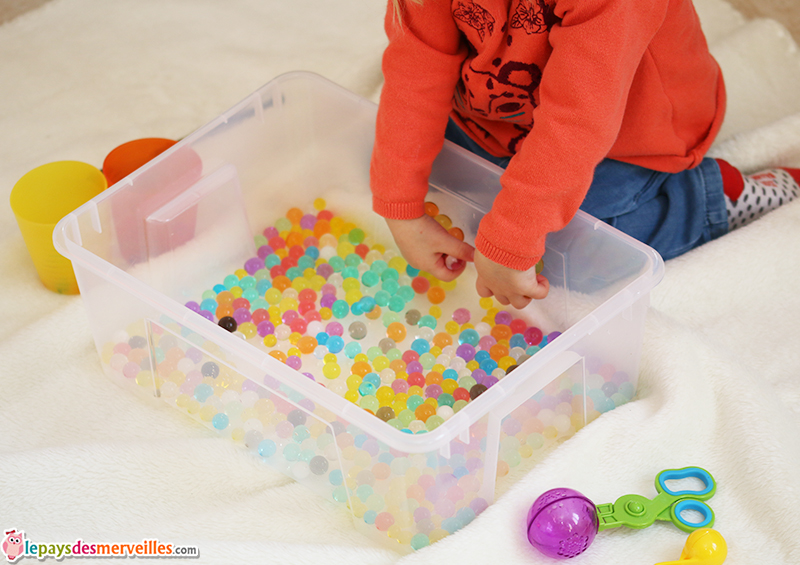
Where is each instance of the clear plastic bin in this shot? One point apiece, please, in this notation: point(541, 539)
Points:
point(174, 228)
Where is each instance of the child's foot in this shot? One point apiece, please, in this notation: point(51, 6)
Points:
point(759, 193)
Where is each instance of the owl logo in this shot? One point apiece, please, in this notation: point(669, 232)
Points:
point(13, 545)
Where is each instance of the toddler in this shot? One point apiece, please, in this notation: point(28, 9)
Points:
point(605, 105)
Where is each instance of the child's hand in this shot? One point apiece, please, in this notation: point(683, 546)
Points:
point(427, 246)
point(509, 286)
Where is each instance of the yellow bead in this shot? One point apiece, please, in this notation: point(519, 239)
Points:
point(325, 313)
point(451, 327)
point(352, 395)
point(472, 365)
point(353, 382)
point(270, 340)
point(236, 291)
point(319, 204)
point(486, 303)
point(435, 311)
point(241, 273)
point(331, 370)
point(398, 263)
point(273, 295)
point(361, 358)
point(248, 329)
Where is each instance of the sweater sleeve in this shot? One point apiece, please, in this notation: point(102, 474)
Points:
point(421, 67)
point(597, 49)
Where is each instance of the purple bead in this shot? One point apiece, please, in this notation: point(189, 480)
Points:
point(325, 270)
point(264, 251)
point(562, 523)
point(479, 375)
point(294, 362)
point(254, 264)
point(486, 342)
point(271, 382)
point(249, 385)
point(308, 221)
point(334, 328)
point(502, 317)
point(478, 505)
point(194, 354)
point(307, 403)
point(620, 377)
point(552, 335)
point(421, 513)
point(462, 316)
point(399, 385)
point(414, 367)
point(433, 391)
point(207, 315)
point(193, 306)
point(564, 396)
point(310, 376)
point(242, 315)
point(489, 381)
point(327, 300)
point(465, 351)
point(265, 328)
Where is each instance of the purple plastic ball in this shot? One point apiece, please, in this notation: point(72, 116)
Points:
point(562, 523)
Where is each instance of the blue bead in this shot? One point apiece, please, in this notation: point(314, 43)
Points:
point(267, 448)
point(335, 344)
point(350, 273)
point(517, 341)
point(372, 378)
point(219, 288)
point(482, 355)
point(352, 349)
point(366, 389)
point(369, 516)
point(411, 271)
point(421, 345)
point(488, 365)
point(469, 336)
point(202, 392)
point(378, 266)
point(263, 286)
point(450, 374)
point(209, 305)
point(313, 252)
point(322, 338)
point(220, 421)
point(382, 298)
point(359, 440)
point(335, 477)
point(337, 263)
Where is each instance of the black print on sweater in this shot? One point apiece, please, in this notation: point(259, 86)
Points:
point(534, 16)
point(476, 17)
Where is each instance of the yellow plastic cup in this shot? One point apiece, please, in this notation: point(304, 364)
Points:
point(39, 200)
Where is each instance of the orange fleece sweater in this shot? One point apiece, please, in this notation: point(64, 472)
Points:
point(557, 84)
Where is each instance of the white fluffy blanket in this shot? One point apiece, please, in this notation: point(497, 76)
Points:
point(80, 458)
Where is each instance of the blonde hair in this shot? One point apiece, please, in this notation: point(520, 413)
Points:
point(398, 9)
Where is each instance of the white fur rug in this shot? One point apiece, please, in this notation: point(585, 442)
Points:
point(79, 458)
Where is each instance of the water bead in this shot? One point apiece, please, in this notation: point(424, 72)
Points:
point(357, 330)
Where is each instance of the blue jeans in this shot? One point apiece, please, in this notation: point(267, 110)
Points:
point(670, 212)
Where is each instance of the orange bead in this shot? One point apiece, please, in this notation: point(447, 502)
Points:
point(436, 294)
point(498, 351)
point(456, 233)
point(223, 311)
point(424, 411)
point(501, 331)
point(321, 227)
point(295, 238)
point(434, 378)
point(398, 366)
point(396, 331)
point(442, 340)
point(279, 355)
point(431, 209)
point(281, 282)
point(360, 368)
point(225, 298)
point(294, 215)
point(306, 344)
